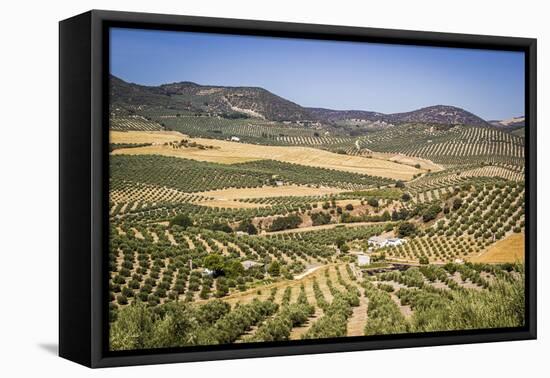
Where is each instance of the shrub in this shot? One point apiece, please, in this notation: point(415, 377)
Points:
point(285, 223)
point(181, 220)
point(274, 268)
point(320, 218)
point(121, 299)
point(385, 287)
point(431, 213)
point(457, 203)
point(248, 227)
point(224, 227)
point(127, 292)
point(406, 229)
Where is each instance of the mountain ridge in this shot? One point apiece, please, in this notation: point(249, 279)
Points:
point(258, 102)
point(518, 121)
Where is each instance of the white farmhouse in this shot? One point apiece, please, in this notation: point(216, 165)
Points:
point(363, 260)
point(235, 139)
point(394, 242)
point(377, 241)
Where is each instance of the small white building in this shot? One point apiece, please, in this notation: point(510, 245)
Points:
point(377, 241)
point(235, 139)
point(380, 242)
point(247, 264)
point(279, 183)
point(394, 242)
point(363, 260)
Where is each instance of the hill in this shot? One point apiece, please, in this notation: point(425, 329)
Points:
point(514, 125)
point(241, 102)
point(230, 102)
point(433, 115)
point(254, 102)
point(334, 116)
point(439, 114)
point(514, 122)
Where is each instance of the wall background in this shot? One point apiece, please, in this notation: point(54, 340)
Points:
point(29, 186)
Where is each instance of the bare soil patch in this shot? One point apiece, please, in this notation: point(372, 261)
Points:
point(155, 137)
point(358, 319)
point(269, 191)
point(170, 237)
point(425, 164)
point(297, 332)
point(230, 204)
point(510, 249)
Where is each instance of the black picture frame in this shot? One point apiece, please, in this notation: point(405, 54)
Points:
point(83, 181)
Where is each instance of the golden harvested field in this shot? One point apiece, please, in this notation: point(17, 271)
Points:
point(158, 137)
point(425, 164)
point(226, 152)
point(228, 198)
point(214, 156)
point(268, 191)
point(510, 249)
point(343, 203)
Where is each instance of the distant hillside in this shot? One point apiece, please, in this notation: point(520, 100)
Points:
point(511, 122)
point(439, 114)
point(231, 101)
point(254, 102)
point(339, 115)
point(514, 125)
point(134, 95)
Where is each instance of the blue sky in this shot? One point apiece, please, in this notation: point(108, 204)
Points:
point(336, 75)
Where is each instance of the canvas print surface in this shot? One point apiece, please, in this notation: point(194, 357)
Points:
point(271, 190)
